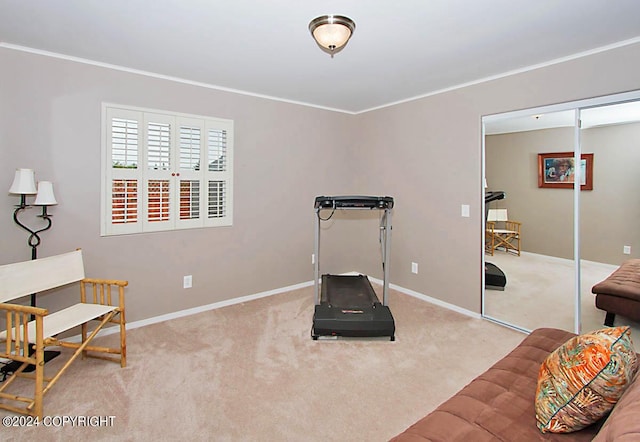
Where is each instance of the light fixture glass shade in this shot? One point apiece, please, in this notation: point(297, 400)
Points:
point(24, 182)
point(331, 35)
point(45, 195)
point(332, 32)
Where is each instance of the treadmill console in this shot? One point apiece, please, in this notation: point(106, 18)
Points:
point(353, 202)
point(493, 196)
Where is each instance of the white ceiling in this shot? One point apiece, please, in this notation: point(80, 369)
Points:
point(620, 113)
point(400, 50)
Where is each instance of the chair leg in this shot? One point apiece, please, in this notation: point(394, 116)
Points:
point(609, 318)
point(39, 384)
point(83, 333)
point(492, 243)
point(490, 248)
point(79, 351)
point(123, 341)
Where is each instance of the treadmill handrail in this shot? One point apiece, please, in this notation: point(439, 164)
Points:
point(383, 203)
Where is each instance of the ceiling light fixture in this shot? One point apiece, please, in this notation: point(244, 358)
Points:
point(332, 32)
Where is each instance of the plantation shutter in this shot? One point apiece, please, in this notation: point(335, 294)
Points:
point(218, 174)
point(159, 178)
point(164, 172)
point(122, 177)
point(191, 194)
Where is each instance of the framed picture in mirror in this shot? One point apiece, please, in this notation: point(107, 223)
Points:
point(558, 170)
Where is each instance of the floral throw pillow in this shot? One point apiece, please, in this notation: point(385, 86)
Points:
point(581, 381)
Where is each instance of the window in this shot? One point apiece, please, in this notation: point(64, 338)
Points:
point(164, 171)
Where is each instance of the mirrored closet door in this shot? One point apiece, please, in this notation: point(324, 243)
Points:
point(540, 281)
point(609, 229)
point(569, 238)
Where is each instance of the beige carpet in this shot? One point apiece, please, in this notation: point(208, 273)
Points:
point(251, 372)
point(540, 293)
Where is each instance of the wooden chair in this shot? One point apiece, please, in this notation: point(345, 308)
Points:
point(502, 233)
point(30, 329)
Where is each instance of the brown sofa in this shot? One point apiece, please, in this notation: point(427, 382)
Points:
point(619, 294)
point(499, 404)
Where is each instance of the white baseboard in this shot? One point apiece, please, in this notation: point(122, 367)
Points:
point(436, 301)
point(215, 305)
point(566, 260)
point(429, 299)
point(228, 302)
point(195, 310)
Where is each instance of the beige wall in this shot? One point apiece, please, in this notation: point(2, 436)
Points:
point(609, 212)
point(285, 155)
point(546, 214)
point(426, 153)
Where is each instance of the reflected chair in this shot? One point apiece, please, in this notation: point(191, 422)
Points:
point(502, 233)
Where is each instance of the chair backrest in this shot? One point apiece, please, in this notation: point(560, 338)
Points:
point(497, 215)
point(23, 278)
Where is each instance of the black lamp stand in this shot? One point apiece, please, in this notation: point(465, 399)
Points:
point(34, 239)
point(34, 242)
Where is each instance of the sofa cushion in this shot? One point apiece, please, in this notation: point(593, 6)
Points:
point(581, 381)
point(623, 423)
point(624, 282)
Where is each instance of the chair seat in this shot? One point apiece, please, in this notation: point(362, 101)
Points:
point(66, 319)
point(505, 231)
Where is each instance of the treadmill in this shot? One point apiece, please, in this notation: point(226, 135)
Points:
point(347, 305)
point(494, 278)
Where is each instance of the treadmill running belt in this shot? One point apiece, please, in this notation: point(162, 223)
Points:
point(349, 291)
point(350, 307)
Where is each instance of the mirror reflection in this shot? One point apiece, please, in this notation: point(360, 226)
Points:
point(609, 228)
point(529, 240)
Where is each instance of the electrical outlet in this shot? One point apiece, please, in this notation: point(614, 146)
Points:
point(464, 211)
point(187, 282)
point(414, 267)
point(626, 250)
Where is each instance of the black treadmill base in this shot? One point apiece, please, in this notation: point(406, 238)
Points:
point(494, 278)
point(372, 321)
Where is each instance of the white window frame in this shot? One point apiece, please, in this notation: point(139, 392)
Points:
point(201, 214)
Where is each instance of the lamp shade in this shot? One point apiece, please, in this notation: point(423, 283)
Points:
point(332, 32)
point(24, 182)
point(45, 195)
